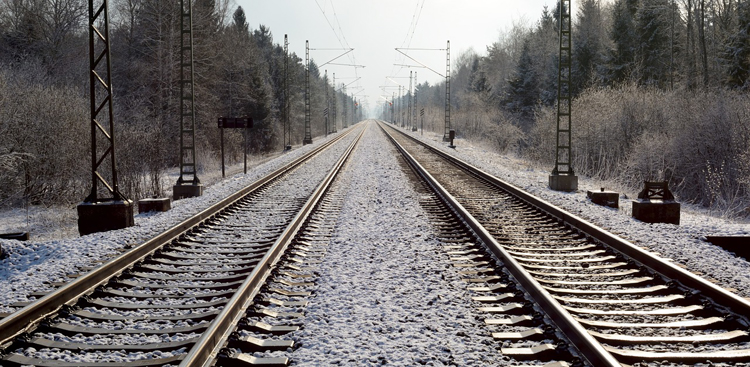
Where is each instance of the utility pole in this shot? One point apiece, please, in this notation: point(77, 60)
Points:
point(414, 110)
point(117, 213)
point(446, 133)
point(408, 111)
point(400, 107)
point(562, 177)
point(334, 102)
point(188, 184)
point(344, 104)
point(393, 115)
point(287, 139)
point(328, 102)
point(308, 130)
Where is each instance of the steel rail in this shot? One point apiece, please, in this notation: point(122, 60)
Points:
point(656, 264)
point(28, 317)
point(587, 345)
point(213, 339)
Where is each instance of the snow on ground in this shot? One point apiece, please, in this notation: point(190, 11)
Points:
point(28, 266)
point(383, 294)
point(61, 222)
point(389, 310)
point(684, 244)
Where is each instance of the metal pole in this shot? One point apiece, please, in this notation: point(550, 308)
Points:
point(328, 101)
point(393, 108)
point(245, 131)
point(414, 111)
point(287, 140)
point(188, 167)
point(408, 111)
point(221, 133)
point(563, 161)
point(308, 131)
point(447, 92)
point(344, 104)
point(334, 102)
point(103, 84)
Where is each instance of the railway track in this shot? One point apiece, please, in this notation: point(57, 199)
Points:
point(177, 298)
point(614, 302)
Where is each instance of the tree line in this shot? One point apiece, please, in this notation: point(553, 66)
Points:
point(239, 71)
point(660, 92)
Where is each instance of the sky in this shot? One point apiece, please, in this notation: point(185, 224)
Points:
point(375, 28)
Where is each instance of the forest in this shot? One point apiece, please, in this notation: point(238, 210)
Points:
point(660, 93)
point(44, 94)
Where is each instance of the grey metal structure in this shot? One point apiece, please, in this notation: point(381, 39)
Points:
point(308, 130)
point(408, 111)
point(414, 110)
point(328, 103)
point(334, 102)
point(563, 156)
point(287, 138)
point(188, 168)
point(100, 85)
point(447, 92)
point(343, 104)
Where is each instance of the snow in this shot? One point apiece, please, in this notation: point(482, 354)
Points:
point(684, 244)
point(382, 295)
point(30, 266)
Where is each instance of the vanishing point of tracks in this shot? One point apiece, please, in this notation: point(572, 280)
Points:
point(612, 301)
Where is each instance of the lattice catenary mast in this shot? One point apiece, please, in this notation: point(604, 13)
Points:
point(188, 184)
point(113, 211)
point(308, 130)
point(563, 177)
point(287, 138)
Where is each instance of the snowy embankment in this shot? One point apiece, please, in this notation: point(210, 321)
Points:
point(29, 266)
point(684, 244)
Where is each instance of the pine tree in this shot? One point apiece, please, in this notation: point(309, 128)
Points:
point(737, 54)
point(622, 56)
point(523, 90)
point(654, 42)
point(588, 45)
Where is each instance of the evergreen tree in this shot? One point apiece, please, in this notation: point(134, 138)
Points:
point(546, 38)
point(523, 89)
point(622, 56)
point(737, 54)
point(588, 44)
point(653, 49)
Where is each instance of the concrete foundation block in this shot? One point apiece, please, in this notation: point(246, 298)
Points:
point(563, 182)
point(605, 198)
point(307, 141)
point(656, 211)
point(106, 216)
point(18, 236)
point(154, 205)
point(186, 191)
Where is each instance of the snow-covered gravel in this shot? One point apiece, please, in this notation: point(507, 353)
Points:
point(684, 244)
point(383, 295)
point(29, 266)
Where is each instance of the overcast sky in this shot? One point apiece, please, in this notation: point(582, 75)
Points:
point(375, 27)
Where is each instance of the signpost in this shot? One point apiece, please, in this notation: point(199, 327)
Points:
point(233, 123)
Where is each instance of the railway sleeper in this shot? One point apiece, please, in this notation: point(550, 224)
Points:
point(234, 358)
point(65, 328)
point(634, 356)
point(15, 359)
